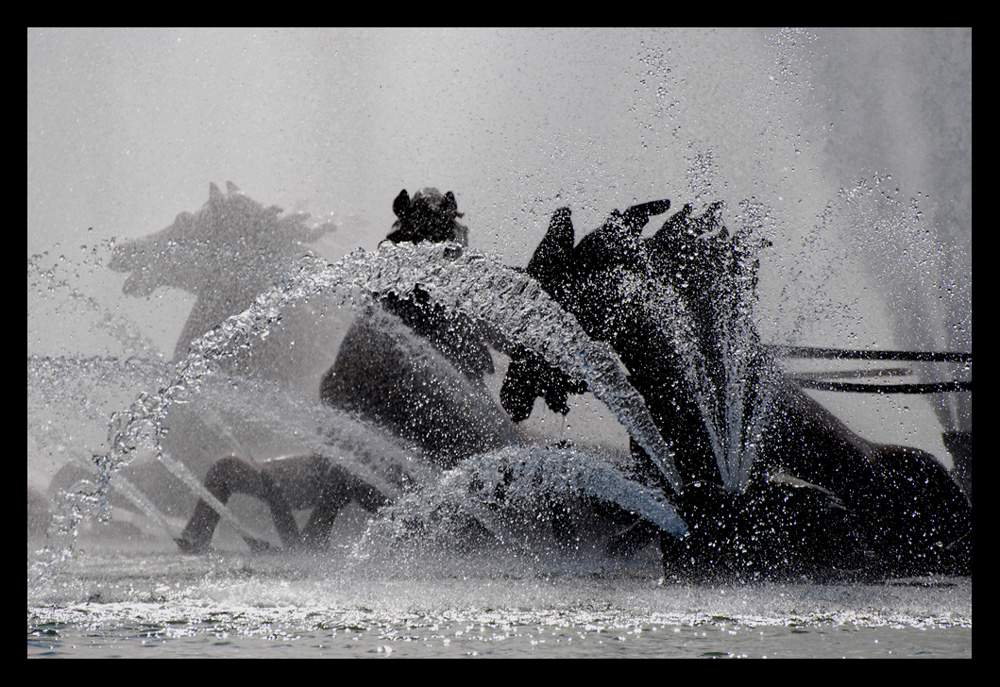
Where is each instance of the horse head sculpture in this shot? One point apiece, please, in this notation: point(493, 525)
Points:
point(225, 254)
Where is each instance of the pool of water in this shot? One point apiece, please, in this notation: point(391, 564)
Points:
point(162, 604)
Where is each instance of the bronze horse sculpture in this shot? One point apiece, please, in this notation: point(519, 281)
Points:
point(819, 497)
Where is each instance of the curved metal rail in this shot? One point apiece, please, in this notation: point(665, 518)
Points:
point(813, 380)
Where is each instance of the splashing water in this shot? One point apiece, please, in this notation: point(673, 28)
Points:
point(752, 376)
point(734, 405)
point(510, 303)
point(514, 492)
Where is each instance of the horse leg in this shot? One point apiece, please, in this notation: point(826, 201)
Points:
point(339, 488)
point(281, 511)
point(227, 476)
point(335, 495)
point(910, 510)
point(929, 527)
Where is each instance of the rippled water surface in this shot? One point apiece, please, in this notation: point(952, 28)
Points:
point(232, 605)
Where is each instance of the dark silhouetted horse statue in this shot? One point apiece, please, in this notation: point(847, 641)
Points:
point(677, 308)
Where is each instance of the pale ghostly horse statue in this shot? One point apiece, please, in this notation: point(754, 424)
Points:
point(224, 254)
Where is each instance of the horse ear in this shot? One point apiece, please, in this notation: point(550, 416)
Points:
point(231, 187)
point(450, 204)
point(637, 216)
point(554, 253)
point(401, 205)
point(214, 194)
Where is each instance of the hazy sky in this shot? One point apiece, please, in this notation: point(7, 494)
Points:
point(126, 127)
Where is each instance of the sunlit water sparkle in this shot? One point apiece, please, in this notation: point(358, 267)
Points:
point(229, 604)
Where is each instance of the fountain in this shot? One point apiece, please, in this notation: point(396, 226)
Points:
point(222, 388)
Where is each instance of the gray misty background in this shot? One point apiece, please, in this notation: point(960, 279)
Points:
point(857, 141)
